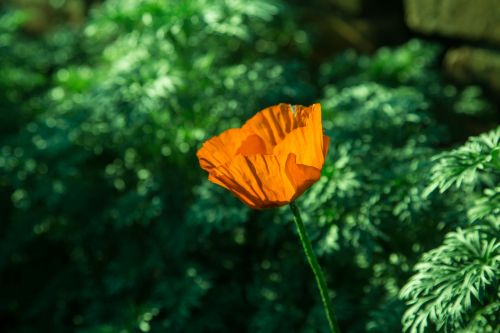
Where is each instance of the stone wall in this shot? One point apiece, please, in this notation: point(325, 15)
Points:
point(472, 25)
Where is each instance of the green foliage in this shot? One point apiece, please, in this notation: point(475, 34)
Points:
point(456, 285)
point(486, 205)
point(109, 225)
point(100, 178)
point(368, 214)
point(410, 65)
point(25, 78)
point(454, 280)
point(465, 165)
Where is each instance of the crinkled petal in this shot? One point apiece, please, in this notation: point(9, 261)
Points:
point(272, 124)
point(252, 145)
point(220, 149)
point(326, 145)
point(301, 176)
point(258, 180)
point(307, 141)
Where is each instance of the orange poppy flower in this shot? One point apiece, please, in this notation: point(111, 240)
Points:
point(272, 159)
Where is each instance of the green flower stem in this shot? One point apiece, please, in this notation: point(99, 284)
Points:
point(313, 262)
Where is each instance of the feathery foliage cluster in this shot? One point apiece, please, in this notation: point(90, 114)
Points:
point(456, 285)
point(108, 225)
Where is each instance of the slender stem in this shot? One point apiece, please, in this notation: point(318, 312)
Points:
point(318, 273)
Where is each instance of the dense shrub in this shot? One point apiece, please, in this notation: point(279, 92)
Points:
point(108, 224)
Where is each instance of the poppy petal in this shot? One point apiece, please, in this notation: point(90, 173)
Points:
point(258, 180)
point(307, 142)
point(301, 176)
point(252, 145)
point(326, 144)
point(272, 124)
point(230, 184)
point(220, 149)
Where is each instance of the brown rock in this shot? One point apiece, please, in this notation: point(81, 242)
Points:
point(474, 65)
point(468, 19)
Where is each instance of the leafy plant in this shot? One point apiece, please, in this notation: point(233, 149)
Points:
point(456, 285)
point(107, 225)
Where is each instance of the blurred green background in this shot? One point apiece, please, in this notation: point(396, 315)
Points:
point(107, 223)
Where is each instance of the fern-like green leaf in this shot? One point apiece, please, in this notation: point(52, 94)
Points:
point(460, 166)
point(454, 280)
